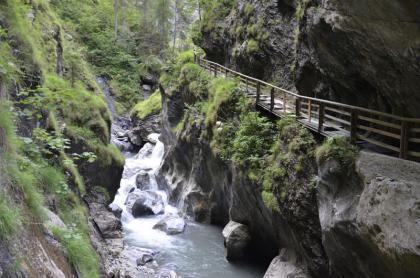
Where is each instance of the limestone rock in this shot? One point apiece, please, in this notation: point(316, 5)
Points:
point(237, 239)
point(285, 266)
point(171, 225)
point(143, 180)
point(376, 216)
point(141, 203)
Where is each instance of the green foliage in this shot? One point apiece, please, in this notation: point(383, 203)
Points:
point(24, 174)
point(270, 201)
point(7, 132)
point(80, 252)
point(220, 92)
point(248, 9)
point(150, 106)
point(338, 148)
point(252, 141)
point(252, 47)
point(195, 79)
point(9, 218)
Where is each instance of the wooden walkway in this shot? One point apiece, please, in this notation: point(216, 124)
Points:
point(375, 130)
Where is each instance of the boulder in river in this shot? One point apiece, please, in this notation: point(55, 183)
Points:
point(141, 203)
point(237, 239)
point(144, 259)
point(171, 225)
point(143, 180)
point(285, 266)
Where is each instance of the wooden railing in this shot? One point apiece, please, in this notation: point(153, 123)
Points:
point(379, 131)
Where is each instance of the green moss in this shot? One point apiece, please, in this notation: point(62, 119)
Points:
point(252, 47)
point(80, 252)
point(9, 218)
point(7, 127)
point(220, 91)
point(24, 175)
point(270, 201)
point(150, 106)
point(338, 148)
point(248, 9)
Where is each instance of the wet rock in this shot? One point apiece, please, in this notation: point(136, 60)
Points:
point(285, 266)
point(143, 180)
point(171, 225)
point(141, 203)
point(168, 274)
point(115, 209)
point(142, 128)
point(144, 259)
point(377, 219)
point(107, 223)
point(237, 239)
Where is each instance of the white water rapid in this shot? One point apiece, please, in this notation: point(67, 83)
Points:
point(196, 253)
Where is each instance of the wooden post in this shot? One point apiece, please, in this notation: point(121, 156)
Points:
point(284, 104)
point(353, 126)
point(321, 114)
point(272, 100)
point(297, 107)
point(226, 72)
point(310, 110)
point(215, 71)
point(258, 93)
point(405, 135)
point(195, 58)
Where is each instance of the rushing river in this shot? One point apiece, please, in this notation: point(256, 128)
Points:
point(198, 252)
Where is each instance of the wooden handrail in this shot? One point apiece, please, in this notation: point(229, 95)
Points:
point(322, 115)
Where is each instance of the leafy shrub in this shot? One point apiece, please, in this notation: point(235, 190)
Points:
point(270, 201)
point(252, 141)
point(340, 149)
point(252, 47)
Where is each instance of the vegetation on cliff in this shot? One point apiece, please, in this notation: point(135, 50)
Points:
point(273, 155)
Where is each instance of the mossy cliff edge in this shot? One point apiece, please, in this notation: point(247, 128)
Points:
point(54, 144)
point(227, 162)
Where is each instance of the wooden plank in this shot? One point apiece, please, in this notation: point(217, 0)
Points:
point(342, 112)
point(414, 154)
point(378, 143)
point(337, 119)
point(414, 140)
point(379, 122)
point(415, 130)
point(381, 132)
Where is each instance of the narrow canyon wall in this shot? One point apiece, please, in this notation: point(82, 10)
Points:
point(358, 52)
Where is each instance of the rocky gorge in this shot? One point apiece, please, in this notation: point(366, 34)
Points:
point(120, 157)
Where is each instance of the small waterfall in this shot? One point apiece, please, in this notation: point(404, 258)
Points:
point(108, 98)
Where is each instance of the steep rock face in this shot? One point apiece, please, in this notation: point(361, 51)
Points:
point(217, 192)
point(373, 212)
point(358, 52)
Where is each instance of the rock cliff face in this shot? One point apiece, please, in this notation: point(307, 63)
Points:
point(217, 192)
point(361, 223)
point(374, 212)
point(358, 52)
